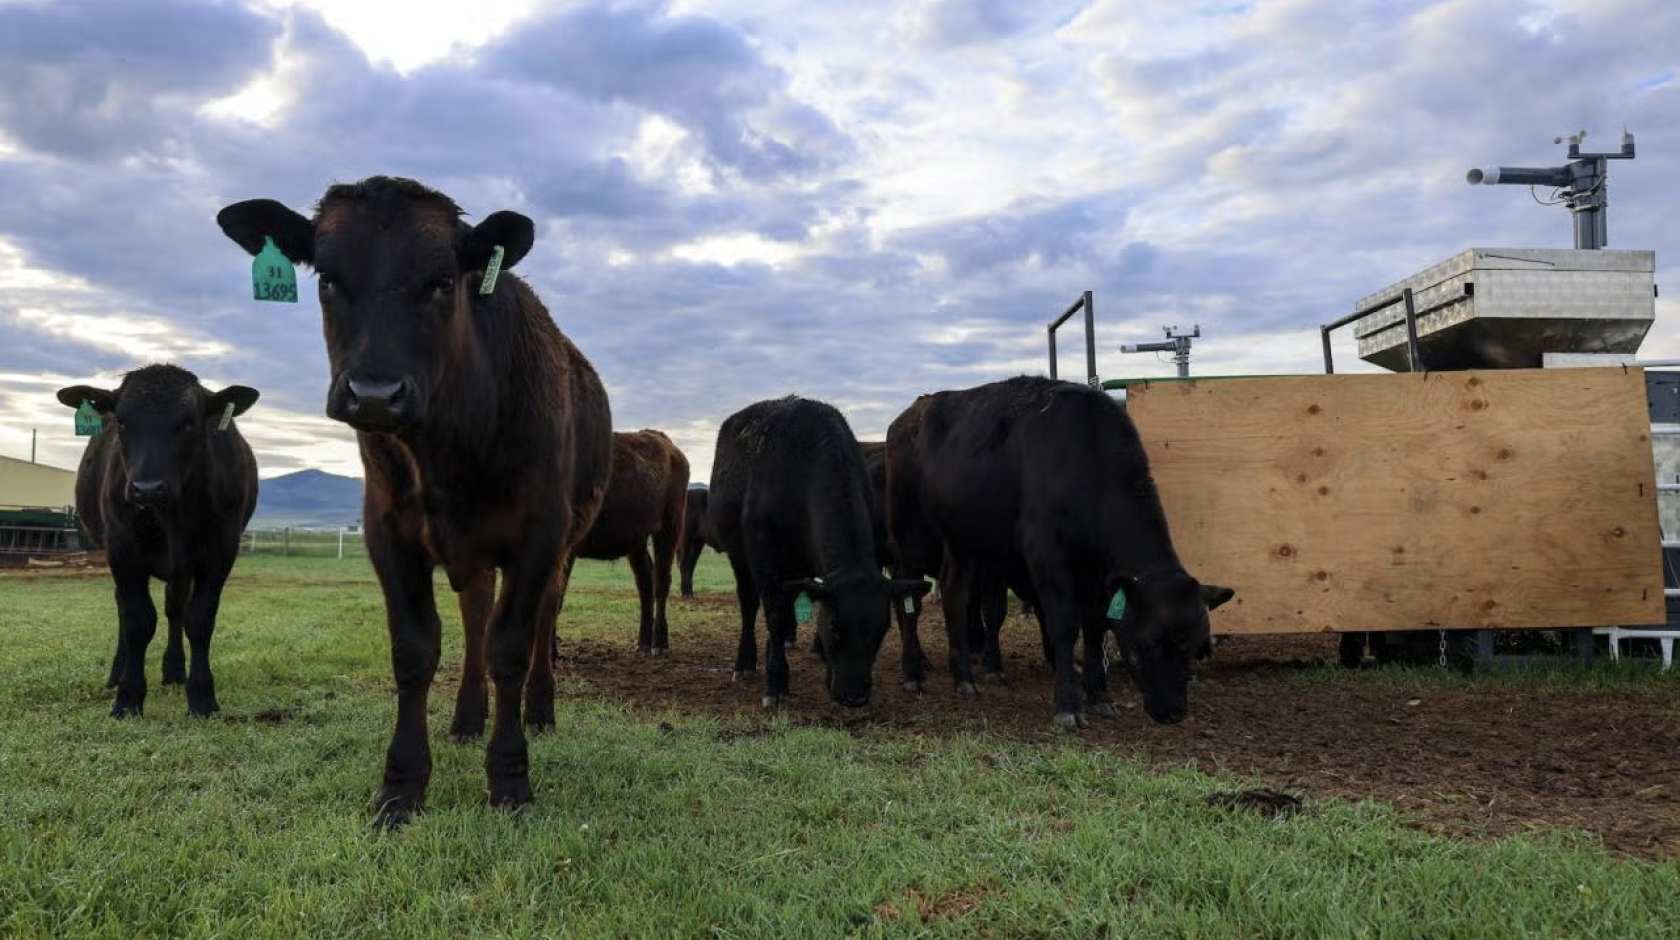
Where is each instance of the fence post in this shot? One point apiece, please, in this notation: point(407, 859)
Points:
point(340, 543)
point(286, 546)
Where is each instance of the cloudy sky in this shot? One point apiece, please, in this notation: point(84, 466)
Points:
point(859, 202)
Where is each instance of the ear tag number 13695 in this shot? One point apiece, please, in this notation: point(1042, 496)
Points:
point(88, 422)
point(272, 275)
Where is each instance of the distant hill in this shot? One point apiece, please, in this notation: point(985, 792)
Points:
point(309, 498)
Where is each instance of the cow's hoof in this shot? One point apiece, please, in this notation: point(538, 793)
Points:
point(395, 815)
point(203, 709)
point(994, 677)
point(774, 702)
point(659, 652)
point(912, 685)
point(1104, 710)
point(123, 709)
point(1069, 721)
point(510, 795)
point(539, 723)
point(174, 676)
point(967, 689)
point(742, 675)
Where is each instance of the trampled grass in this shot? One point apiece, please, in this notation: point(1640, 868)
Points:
point(255, 824)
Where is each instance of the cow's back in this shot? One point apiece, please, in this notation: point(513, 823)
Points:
point(1027, 451)
point(779, 460)
point(584, 434)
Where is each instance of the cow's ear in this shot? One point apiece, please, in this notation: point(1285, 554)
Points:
point(242, 397)
point(101, 399)
point(1213, 595)
point(811, 586)
point(514, 232)
point(253, 220)
point(900, 588)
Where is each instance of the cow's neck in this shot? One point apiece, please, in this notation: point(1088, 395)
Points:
point(840, 526)
point(1136, 535)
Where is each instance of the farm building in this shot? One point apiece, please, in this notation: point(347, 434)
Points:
point(35, 484)
point(36, 517)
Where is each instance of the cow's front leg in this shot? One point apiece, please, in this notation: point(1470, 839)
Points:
point(779, 630)
point(1098, 699)
point(529, 593)
point(411, 617)
point(199, 619)
point(137, 622)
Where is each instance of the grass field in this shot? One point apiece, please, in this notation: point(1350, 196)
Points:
point(255, 823)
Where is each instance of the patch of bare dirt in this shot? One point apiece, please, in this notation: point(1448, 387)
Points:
point(1462, 762)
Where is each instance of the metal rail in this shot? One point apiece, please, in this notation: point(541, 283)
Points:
point(1084, 302)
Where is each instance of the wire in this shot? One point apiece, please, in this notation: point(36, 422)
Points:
point(1555, 201)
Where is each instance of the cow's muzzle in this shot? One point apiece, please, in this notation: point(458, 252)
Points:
point(373, 405)
point(148, 492)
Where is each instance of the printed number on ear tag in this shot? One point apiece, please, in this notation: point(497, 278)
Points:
point(491, 272)
point(909, 605)
point(272, 275)
point(802, 608)
point(1117, 606)
point(88, 423)
point(227, 418)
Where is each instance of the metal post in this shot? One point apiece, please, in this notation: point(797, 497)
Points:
point(340, 543)
point(1413, 353)
point(1090, 339)
point(1324, 337)
point(286, 546)
point(1053, 349)
point(33, 433)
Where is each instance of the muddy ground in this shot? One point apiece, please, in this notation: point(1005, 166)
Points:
point(1465, 762)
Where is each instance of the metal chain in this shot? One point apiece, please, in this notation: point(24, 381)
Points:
point(1443, 659)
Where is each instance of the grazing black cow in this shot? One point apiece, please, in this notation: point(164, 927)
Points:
point(166, 488)
point(646, 501)
point(695, 537)
point(916, 552)
point(790, 507)
point(1050, 478)
point(485, 438)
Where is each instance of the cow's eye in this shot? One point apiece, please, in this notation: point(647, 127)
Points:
point(328, 285)
point(441, 287)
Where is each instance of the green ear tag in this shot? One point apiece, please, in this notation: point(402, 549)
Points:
point(802, 608)
point(909, 605)
point(1117, 606)
point(227, 418)
point(491, 271)
point(88, 423)
point(272, 275)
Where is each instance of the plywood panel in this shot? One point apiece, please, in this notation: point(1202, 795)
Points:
point(1519, 498)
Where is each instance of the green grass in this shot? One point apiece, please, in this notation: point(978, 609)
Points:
point(652, 825)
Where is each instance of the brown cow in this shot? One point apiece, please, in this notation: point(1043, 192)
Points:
point(485, 437)
point(646, 499)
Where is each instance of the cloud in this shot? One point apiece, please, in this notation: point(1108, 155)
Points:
point(860, 204)
point(96, 80)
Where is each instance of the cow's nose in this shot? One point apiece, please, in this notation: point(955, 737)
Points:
point(378, 405)
point(851, 698)
point(148, 491)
